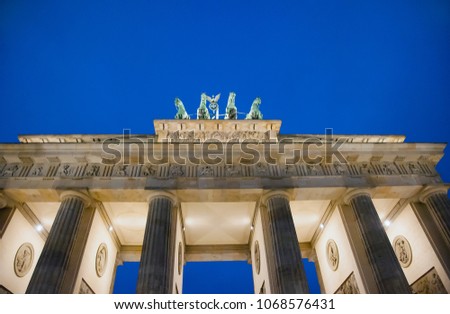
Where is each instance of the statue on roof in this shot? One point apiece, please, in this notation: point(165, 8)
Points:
point(255, 113)
point(231, 110)
point(213, 105)
point(181, 113)
point(202, 111)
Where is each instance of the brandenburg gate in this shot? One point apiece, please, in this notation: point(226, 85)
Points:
point(370, 211)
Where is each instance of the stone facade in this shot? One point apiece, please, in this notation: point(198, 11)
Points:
point(217, 190)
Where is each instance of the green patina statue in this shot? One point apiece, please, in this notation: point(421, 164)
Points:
point(231, 110)
point(254, 113)
point(181, 113)
point(202, 111)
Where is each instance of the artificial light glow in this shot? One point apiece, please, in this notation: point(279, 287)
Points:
point(387, 223)
point(321, 226)
point(39, 228)
point(111, 228)
point(251, 228)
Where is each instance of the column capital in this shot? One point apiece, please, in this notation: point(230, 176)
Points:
point(77, 194)
point(280, 193)
point(430, 190)
point(355, 192)
point(163, 194)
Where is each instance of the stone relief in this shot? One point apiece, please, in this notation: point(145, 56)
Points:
point(339, 168)
point(206, 171)
point(122, 170)
point(176, 171)
point(315, 170)
point(289, 170)
point(261, 169)
point(181, 136)
point(332, 254)
point(67, 170)
point(149, 170)
point(10, 170)
point(414, 168)
point(80, 170)
point(389, 169)
point(365, 169)
point(429, 283)
point(101, 259)
point(202, 136)
point(37, 171)
point(349, 286)
point(257, 254)
point(402, 250)
point(23, 259)
point(232, 171)
point(93, 171)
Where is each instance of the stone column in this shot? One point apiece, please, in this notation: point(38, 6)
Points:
point(157, 259)
point(433, 213)
point(376, 259)
point(59, 262)
point(284, 259)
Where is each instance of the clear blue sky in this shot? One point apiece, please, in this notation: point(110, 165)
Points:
point(359, 67)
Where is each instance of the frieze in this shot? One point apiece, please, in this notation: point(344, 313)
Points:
point(260, 169)
point(202, 136)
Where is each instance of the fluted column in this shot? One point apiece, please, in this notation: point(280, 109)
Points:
point(378, 264)
point(157, 259)
point(433, 213)
point(60, 259)
point(284, 259)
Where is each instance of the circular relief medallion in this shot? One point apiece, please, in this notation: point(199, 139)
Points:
point(332, 254)
point(180, 258)
point(24, 259)
point(402, 250)
point(257, 257)
point(101, 259)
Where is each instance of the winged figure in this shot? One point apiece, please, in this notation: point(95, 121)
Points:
point(213, 101)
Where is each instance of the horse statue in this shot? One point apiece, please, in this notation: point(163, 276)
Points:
point(202, 111)
point(231, 110)
point(254, 113)
point(181, 113)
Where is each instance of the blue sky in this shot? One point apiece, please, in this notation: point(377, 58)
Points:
point(359, 67)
